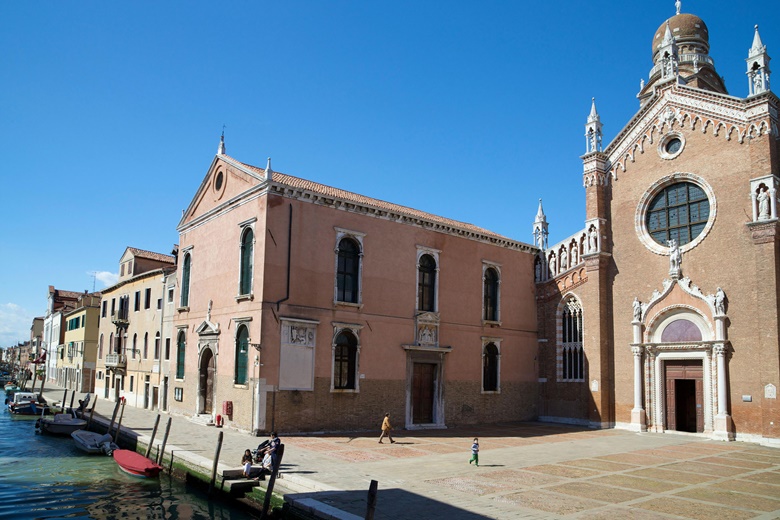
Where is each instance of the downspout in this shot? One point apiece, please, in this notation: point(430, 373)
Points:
point(286, 297)
point(289, 243)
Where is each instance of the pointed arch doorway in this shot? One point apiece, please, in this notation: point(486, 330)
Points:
point(206, 372)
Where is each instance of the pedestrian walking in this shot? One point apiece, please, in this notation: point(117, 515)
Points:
point(386, 427)
point(475, 452)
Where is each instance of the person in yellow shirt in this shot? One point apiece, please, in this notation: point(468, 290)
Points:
point(386, 427)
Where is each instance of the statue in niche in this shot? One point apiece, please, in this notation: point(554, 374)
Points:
point(758, 84)
point(763, 203)
point(637, 310)
point(552, 265)
point(574, 255)
point(593, 240)
point(426, 335)
point(720, 302)
point(675, 258)
point(563, 259)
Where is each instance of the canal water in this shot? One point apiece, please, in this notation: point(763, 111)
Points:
point(42, 476)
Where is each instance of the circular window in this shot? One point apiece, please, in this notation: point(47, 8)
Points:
point(218, 182)
point(679, 207)
point(671, 145)
point(680, 212)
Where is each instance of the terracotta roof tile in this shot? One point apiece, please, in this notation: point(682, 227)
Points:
point(151, 255)
point(329, 191)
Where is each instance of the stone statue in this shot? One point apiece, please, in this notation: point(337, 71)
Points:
point(563, 259)
point(637, 310)
point(720, 302)
point(758, 84)
point(208, 311)
point(574, 255)
point(552, 265)
point(675, 258)
point(592, 240)
point(641, 84)
point(763, 203)
point(678, 6)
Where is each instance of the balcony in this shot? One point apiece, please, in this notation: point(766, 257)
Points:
point(119, 318)
point(116, 361)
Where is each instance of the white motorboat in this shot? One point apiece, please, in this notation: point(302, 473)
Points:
point(93, 442)
point(60, 424)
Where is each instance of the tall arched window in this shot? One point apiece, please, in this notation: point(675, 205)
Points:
point(111, 347)
point(157, 345)
point(247, 249)
point(180, 344)
point(490, 368)
point(490, 295)
point(100, 347)
point(146, 345)
point(242, 355)
point(573, 358)
point(135, 345)
point(344, 361)
point(426, 284)
point(348, 271)
point(185, 280)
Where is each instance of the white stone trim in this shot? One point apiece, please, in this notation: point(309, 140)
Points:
point(338, 328)
point(486, 264)
point(425, 250)
point(357, 236)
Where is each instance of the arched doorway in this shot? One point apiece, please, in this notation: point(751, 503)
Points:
point(206, 382)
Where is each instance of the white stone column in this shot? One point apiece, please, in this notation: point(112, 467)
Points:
point(772, 203)
point(753, 197)
point(638, 417)
point(723, 425)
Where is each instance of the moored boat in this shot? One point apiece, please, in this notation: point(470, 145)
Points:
point(60, 424)
point(135, 464)
point(23, 403)
point(93, 442)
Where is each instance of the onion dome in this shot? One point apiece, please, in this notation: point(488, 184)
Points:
point(689, 31)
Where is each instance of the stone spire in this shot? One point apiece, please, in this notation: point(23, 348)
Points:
point(268, 171)
point(593, 133)
point(540, 228)
point(668, 55)
point(758, 66)
point(221, 149)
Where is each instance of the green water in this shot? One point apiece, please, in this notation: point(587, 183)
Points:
point(43, 476)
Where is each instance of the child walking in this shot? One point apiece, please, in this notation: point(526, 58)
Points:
point(475, 452)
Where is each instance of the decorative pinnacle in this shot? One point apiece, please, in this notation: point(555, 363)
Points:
point(594, 115)
point(758, 45)
point(540, 217)
point(678, 6)
point(268, 170)
point(221, 149)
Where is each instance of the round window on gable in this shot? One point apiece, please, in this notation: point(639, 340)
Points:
point(218, 182)
point(671, 146)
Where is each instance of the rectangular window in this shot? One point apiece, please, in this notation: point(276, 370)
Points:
point(159, 303)
point(103, 312)
point(170, 295)
point(137, 301)
point(178, 393)
point(157, 347)
point(113, 306)
point(132, 380)
point(148, 298)
point(167, 349)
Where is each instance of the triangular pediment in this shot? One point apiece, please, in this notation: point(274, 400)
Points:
point(686, 109)
point(226, 181)
point(207, 328)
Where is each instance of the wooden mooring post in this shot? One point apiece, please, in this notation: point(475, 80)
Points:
point(216, 462)
point(269, 490)
point(113, 417)
point(154, 432)
point(119, 423)
point(161, 453)
point(371, 500)
point(91, 412)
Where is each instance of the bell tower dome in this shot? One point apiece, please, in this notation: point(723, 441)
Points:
point(681, 52)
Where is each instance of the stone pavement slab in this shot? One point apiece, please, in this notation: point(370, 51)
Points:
point(527, 470)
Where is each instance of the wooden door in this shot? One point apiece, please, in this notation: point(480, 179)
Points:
point(207, 370)
point(671, 408)
point(423, 393)
point(684, 395)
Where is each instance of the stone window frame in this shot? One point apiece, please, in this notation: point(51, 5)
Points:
point(241, 325)
point(247, 226)
point(358, 237)
point(186, 279)
point(354, 329)
point(497, 268)
point(578, 347)
point(181, 354)
point(486, 341)
point(654, 189)
point(664, 142)
point(434, 253)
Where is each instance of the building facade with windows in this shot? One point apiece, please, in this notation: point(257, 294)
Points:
point(59, 302)
point(78, 353)
point(661, 314)
point(305, 307)
point(130, 340)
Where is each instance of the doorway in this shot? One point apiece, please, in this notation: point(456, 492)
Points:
point(423, 393)
point(207, 370)
point(684, 396)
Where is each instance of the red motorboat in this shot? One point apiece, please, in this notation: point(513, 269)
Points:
point(136, 464)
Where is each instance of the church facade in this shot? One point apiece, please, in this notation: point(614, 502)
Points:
point(662, 313)
point(303, 307)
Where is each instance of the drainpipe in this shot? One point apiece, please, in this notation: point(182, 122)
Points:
point(289, 243)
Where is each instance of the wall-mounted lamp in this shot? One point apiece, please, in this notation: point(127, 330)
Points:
point(256, 346)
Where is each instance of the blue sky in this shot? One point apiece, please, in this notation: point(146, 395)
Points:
point(111, 112)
